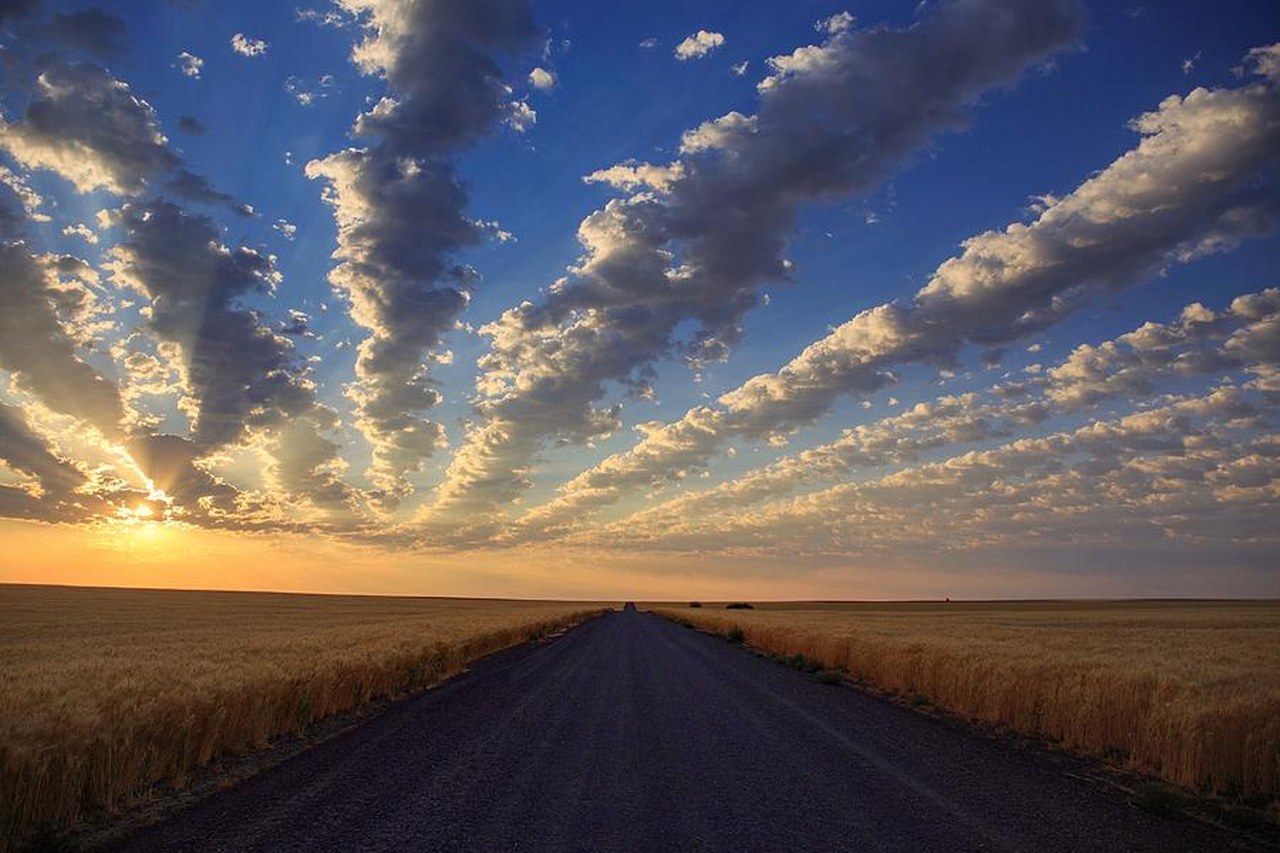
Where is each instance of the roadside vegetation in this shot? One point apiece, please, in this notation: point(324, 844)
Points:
point(104, 693)
point(1186, 691)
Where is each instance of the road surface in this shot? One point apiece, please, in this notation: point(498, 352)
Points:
point(633, 733)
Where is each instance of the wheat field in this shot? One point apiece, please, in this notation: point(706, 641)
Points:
point(104, 692)
point(1187, 691)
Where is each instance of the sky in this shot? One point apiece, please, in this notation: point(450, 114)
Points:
point(967, 298)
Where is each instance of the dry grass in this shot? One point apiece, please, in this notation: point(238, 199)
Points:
point(1188, 691)
point(105, 692)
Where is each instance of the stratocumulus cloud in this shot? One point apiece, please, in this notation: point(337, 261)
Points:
point(400, 206)
point(1201, 180)
point(726, 205)
point(1139, 365)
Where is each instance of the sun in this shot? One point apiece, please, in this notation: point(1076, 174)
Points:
point(139, 513)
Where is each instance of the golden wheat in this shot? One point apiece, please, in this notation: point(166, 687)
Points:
point(1188, 691)
point(106, 692)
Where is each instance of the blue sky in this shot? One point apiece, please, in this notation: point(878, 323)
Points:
point(933, 130)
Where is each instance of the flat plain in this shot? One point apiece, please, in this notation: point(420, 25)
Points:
point(106, 691)
point(1188, 691)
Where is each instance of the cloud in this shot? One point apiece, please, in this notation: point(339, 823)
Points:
point(25, 450)
point(698, 45)
point(192, 125)
point(19, 203)
point(336, 18)
point(1201, 180)
point(189, 64)
point(740, 68)
point(837, 23)
point(1134, 367)
point(649, 43)
point(241, 377)
point(51, 493)
point(239, 373)
point(724, 208)
point(400, 206)
point(84, 232)
point(89, 128)
point(542, 79)
point(91, 31)
point(245, 46)
point(519, 116)
point(306, 92)
point(38, 341)
point(171, 463)
point(17, 8)
point(1193, 471)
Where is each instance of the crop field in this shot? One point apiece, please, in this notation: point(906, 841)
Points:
point(1188, 691)
point(104, 692)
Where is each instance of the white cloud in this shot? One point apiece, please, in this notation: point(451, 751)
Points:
point(837, 23)
point(246, 46)
point(740, 68)
point(633, 176)
point(542, 79)
point(307, 92)
point(649, 43)
point(520, 116)
point(698, 45)
point(189, 64)
point(84, 232)
point(337, 17)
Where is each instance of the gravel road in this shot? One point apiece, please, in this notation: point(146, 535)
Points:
point(633, 733)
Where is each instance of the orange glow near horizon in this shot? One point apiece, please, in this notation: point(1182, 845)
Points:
point(154, 553)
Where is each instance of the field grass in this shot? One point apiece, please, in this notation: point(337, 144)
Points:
point(1187, 691)
point(105, 692)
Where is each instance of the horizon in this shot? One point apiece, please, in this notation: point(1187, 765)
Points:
point(975, 301)
point(702, 601)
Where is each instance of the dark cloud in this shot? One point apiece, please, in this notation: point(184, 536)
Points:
point(241, 374)
point(192, 125)
point(60, 496)
point(187, 184)
point(168, 461)
point(13, 216)
point(37, 346)
point(89, 127)
point(22, 448)
point(93, 31)
point(400, 207)
point(17, 8)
